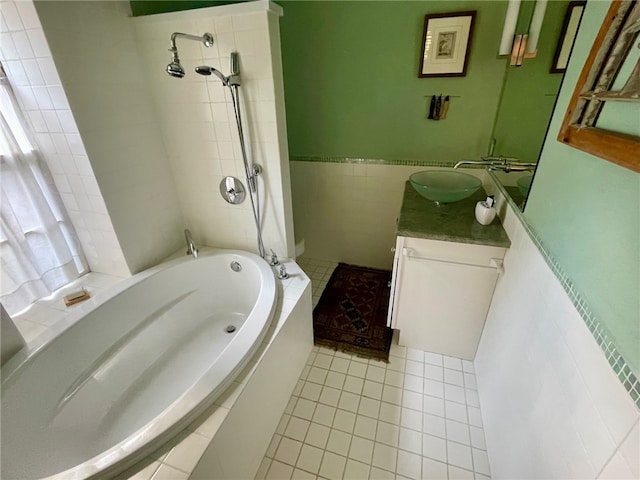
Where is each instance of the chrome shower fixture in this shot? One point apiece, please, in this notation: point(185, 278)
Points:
point(230, 81)
point(175, 67)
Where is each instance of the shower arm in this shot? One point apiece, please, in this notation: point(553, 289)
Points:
point(206, 39)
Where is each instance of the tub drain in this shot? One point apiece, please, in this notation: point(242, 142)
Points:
point(230, 329)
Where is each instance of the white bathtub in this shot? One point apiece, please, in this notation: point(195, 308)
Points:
point(135, 369)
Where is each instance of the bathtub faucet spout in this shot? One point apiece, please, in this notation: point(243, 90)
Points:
point(191, 246)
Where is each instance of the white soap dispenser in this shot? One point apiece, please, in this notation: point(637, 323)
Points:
point(485, 211)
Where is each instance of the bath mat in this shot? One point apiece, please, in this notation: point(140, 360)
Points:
point(351, 315)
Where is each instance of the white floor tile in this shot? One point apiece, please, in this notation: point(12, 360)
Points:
point(297, 428)
point(340, 365)
point(332, 466)
point(435, 388)
point(380, 474)
point(410, 440)
point(279, 471)
point(396, 364)
point(358, 369)
point(390, 413)
point(304, 408)
point(458, 432)
point(361, 449)
point(392, 395)
point(324, 415)
point(339, 442)
point(481, 461)
point(302, 475)
point(369, 407)
point(414, 368)
point(456, 473)
point(434, 425)
point(455, 411)
point(434, 372)
point(384, 457)
point(412, 400)
point(454, 393)
point(355, 470)
point(414, 383)
point(415, 355)
point(330, 396)
point(317, 435)
point(388, 434)
point(365, 427)
point(288, 451)
point(349, 401)
point(433, 470)
point(372, 389)
point(477, 437)
point(375, 373)
point(433, 405)
point(452, 362)
point(317, 375)
point(335, 380)
point(411, 419)
point(353, 385)
point(454, 377)
point(344, 421)
point(434, 448)
point(459, 455)
point(309, 459)
point(409, 465)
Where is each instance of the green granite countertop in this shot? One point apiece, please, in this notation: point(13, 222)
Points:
point(451, 222)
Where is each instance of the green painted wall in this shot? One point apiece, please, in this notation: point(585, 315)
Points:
point(587, 211)
point(530, 92)
point(351, 84)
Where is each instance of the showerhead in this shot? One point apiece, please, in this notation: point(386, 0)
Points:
point(175, 68)
point(206, 70)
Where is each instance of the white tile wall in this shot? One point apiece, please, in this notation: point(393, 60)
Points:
point(347, 212)
point(198, 124)
point(551, 404)
point(96, 56)
point(28, 62)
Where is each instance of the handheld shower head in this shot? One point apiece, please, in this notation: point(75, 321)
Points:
point(206, 70)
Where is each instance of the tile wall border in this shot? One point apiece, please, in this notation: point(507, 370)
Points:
point(370, 161)
point(600, 334)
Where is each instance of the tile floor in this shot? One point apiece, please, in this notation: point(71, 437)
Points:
point(416, 417)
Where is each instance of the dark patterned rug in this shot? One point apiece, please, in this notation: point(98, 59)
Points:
point(351, 315)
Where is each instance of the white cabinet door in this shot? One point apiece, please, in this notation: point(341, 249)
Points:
point(443, 291)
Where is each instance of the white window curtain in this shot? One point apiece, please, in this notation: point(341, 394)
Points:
point(39, 248)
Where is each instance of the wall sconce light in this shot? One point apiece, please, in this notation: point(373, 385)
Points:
point(525, 45)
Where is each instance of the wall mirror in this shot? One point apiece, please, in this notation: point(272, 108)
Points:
point(602, 115)
point(529, 92)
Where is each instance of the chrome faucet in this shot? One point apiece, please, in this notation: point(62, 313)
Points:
point(504, 164)
point(191, 246)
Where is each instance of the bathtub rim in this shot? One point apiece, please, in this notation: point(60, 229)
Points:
point(191, 404)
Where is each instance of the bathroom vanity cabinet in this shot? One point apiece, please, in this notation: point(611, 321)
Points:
point(445, 270)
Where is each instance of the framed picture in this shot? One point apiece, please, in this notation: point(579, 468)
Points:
point(445, 44)
point(568, 36)
point(610, 78)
